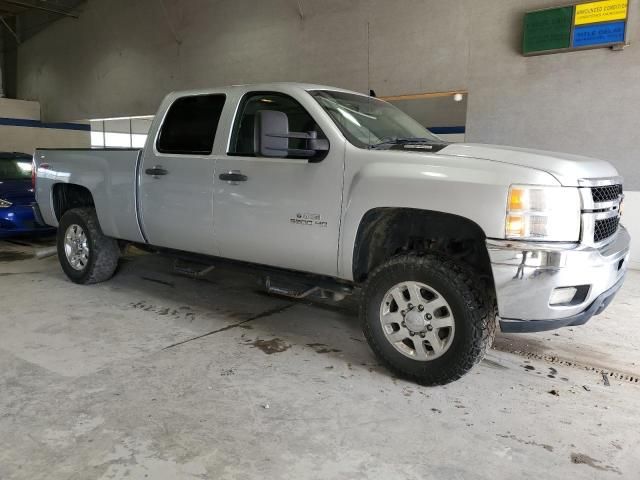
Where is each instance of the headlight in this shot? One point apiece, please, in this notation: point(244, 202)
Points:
point(543, 214)
point(5, 204)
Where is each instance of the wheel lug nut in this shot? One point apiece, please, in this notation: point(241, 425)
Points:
point(403, 313)
point(410, 306)
point(422, 335)
point(421, 307)
point(428, 316)
point(411, 333)
point(404, 324)
point(430, 328)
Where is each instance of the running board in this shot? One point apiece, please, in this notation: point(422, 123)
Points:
point(192, 269)
point(279, 281)
point(335, 292)
point(287, 292)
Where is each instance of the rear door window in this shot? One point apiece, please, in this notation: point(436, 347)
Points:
point(190, 125)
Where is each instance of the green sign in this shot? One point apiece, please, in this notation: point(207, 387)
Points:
point(548, 30)
point(594, 24)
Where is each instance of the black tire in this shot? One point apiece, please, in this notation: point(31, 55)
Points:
point(103, 251)
point(472, 308)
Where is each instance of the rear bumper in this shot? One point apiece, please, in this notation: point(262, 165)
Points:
point(20, 220)
point(526, 274)
point(37, 215)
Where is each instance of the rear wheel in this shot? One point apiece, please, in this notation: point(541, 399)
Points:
point(427, 318)
point(87, 256)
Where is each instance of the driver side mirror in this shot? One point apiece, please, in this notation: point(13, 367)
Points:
point(271, 137)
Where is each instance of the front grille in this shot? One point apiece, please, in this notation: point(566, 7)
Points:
point(605, 228)
point(608, 193)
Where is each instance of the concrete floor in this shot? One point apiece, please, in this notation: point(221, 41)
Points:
point(93, 386)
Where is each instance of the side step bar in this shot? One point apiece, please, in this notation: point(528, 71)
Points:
point(277, 281)
point(191, 269)
point(289, 292)
point(305, 287)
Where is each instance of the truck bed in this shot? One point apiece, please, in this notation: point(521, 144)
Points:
point(110, 175)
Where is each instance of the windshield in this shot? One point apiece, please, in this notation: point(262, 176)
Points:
point(368, 122)
point(15, 168)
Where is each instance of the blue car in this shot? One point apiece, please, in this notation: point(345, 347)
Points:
point(17, 197)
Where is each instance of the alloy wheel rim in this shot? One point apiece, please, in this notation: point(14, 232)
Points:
point(76, 247)
point(417, 320)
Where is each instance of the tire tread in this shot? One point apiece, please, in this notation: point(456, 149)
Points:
point(103, 249)
point(476, 299)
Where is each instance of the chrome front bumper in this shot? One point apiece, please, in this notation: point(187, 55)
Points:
point(526, 274)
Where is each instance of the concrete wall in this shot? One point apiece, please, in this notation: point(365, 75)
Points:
point(27, 139)
point(121, 57)
point(20, 109)
point(435, 112)
point(21, 138)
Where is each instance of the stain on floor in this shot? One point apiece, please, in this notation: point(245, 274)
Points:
point(272, 346)
point(161, 282)
point(6, 257)
point(582, 459)
point(548, 448)
point(323, 348)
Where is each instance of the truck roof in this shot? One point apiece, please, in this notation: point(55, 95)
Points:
point(263, 86)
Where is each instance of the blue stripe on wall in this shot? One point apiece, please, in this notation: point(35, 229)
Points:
point(21, 122)
point(447, 130)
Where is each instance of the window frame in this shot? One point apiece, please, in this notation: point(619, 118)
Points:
point(156, 143)
point(237, 118)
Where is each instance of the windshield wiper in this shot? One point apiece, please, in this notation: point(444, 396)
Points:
point(401, 141)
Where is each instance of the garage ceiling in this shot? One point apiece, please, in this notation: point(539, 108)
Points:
point(16, 7)
point(25, 18)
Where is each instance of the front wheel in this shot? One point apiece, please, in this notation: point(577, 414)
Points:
point(87, 256)
point(427, 318)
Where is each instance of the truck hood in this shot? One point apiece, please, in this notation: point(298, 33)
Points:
point(566, 168)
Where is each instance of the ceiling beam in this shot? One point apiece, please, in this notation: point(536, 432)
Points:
point(15, 35)
point(18, 3)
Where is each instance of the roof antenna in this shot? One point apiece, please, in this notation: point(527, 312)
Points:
point(369, 57)
point(371, 92)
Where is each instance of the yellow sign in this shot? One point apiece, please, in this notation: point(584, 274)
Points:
point(604, 11)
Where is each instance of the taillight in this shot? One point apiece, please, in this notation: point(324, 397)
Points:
point(33, 173)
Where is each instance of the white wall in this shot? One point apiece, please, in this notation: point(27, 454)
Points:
point(24, 139)
point(27, 139)
point(121, 57)
point(19, 109)
point(453, 137)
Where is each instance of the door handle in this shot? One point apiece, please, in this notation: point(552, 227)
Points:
point(233, 176)
point(156, 171)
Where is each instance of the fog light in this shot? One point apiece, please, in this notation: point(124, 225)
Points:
point(562, 296)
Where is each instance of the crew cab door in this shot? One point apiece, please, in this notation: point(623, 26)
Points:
point(282, 212)
point(176, 175)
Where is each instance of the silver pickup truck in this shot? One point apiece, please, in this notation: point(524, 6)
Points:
point(332, 192)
